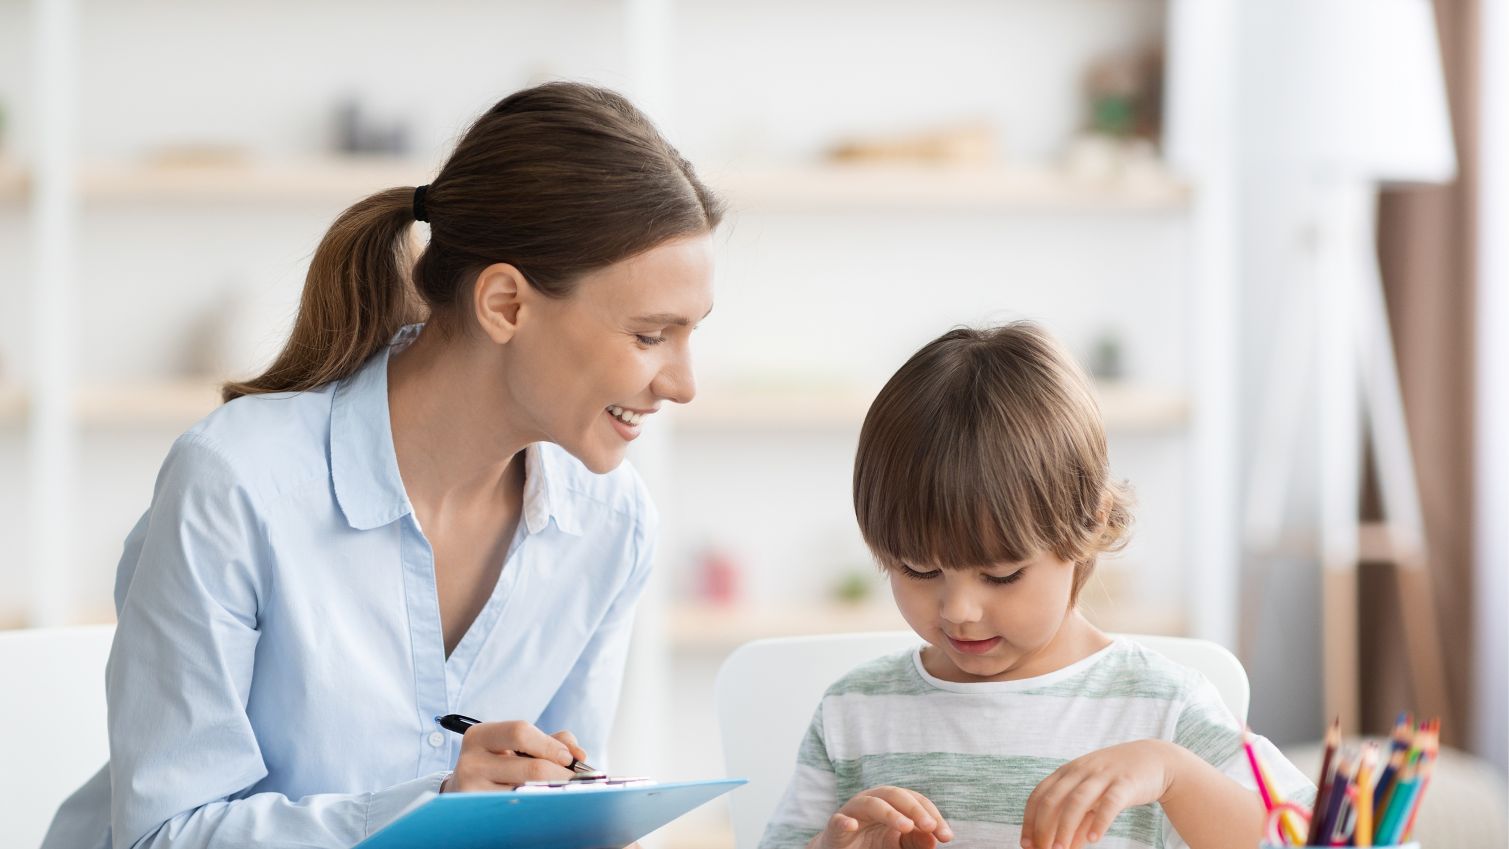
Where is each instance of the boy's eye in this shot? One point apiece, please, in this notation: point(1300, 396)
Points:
point(648, 340)
point(920, 576)
point(1006, 579)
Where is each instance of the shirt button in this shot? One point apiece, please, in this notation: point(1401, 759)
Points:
point(436, 739)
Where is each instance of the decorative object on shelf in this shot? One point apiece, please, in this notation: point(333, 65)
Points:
point(240, 331)
point(855, 586)
point(1122, 130)
point(1108, 356)
point(206, 154)
point(720, 578)
point(966, 144)
point(358, 133)
point(1123, 92)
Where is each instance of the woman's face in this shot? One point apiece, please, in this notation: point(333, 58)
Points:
point(593, 368)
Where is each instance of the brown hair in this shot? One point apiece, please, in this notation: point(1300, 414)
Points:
point(557, 180)
point(987, 447)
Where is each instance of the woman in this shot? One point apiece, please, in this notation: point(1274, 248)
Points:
point(398, 521)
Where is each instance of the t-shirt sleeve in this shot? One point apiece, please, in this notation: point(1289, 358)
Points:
point(1206, 727)
point(811, 797)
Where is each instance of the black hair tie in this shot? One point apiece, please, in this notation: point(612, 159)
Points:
point(419, 211)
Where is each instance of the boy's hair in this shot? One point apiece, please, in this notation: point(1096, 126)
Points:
point(987, 447)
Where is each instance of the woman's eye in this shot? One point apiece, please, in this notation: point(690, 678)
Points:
point(1006, 579)
point(648, 340)
point(920, 576)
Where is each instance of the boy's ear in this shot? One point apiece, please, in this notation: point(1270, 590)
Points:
point(499, 300)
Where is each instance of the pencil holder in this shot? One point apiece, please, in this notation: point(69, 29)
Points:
point(1410, 845)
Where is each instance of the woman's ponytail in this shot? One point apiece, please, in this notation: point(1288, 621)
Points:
point(358, 293)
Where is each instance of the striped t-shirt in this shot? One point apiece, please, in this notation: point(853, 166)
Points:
point(978, 750)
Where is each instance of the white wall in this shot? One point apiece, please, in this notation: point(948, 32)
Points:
point(1491, 579)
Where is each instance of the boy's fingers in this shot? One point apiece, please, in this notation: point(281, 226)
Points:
point(940, 825)
point(1110, 806)
point(1033, 813)
point(1074, 810)
point(873, 809)
point(910, 804)
point(842, 831)
point(919, 840)
point(1081, 837)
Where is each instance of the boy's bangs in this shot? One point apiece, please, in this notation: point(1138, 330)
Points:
point(950, 515)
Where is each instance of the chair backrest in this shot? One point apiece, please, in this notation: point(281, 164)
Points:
point(767, 690)
point(52, 710)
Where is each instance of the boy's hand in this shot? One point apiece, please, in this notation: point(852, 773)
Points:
point(885, 818)
point(1077, 803)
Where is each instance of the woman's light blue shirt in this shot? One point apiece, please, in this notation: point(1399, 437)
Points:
point(279, 657)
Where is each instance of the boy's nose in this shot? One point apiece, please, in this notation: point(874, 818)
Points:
point(959, 607)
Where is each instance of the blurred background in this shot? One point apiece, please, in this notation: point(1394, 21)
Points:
point(1271, 231)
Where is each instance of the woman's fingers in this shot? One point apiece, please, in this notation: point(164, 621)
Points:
point(518, 736)
point(570, 740)
point(497, 755)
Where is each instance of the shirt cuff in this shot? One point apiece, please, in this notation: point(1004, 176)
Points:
point(387, 805)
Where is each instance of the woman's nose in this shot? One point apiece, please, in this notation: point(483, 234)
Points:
point(676, 382)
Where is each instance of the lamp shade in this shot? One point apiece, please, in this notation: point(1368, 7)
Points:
point(1350, 86)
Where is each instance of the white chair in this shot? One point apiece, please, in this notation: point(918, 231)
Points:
point(766, 692)
point(52, 710)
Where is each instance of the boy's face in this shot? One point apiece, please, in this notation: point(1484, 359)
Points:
point(993, 623)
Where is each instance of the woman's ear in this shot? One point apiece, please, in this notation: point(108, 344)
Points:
point(498, 300)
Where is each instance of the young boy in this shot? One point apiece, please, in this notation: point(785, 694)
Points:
point(981, 485)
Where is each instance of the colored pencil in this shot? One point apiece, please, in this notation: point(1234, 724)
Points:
point(1426, 768)
point(1257, 772)
point(1398, 745)
point(1363, 833)
point(1392, 815)
point(1323, 784)
point(1338, 794)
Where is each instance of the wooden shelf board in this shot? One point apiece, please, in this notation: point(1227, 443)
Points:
point(803, 187)
point(182, 402)
point(174, 403)
point(720, 628)
point(1124, 407)
point(948, 187)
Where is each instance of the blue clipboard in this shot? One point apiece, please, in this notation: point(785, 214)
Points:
point(587, 818)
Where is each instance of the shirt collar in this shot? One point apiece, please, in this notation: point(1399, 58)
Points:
point(364, 465)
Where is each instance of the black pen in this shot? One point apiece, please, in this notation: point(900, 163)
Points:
point(458, 723)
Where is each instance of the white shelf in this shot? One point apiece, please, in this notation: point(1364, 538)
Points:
point(179, 403)
point(1124, 408)
point(172, 404)
point(319, 180)
point(942, 187)
point(721, 628)
point(802, 187)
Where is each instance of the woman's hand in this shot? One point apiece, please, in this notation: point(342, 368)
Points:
point(1079, 800)
point(885, 818)
point(493, 757)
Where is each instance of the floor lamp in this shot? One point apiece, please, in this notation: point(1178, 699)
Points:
point(1356, 101)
